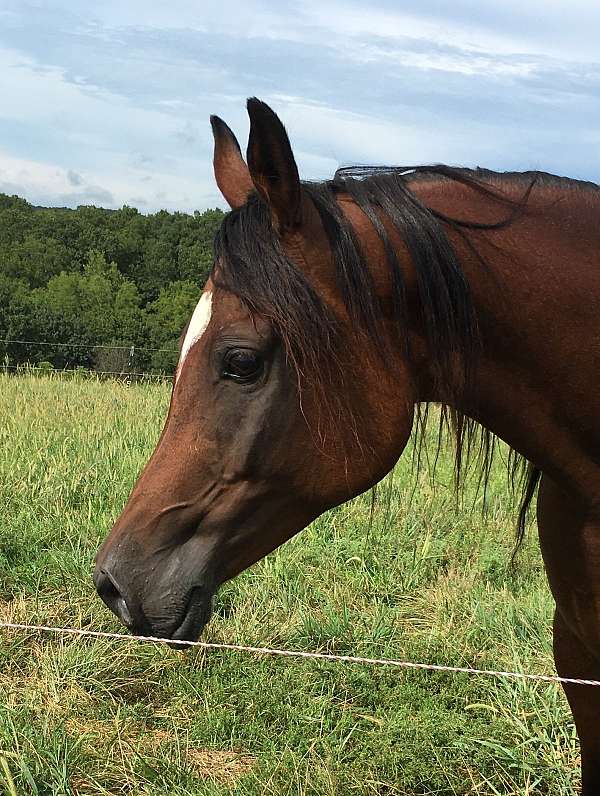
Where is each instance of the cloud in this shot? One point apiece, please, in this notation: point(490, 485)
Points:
point(118, 96)
point(540, 27)
point(74, 178)
point(187, 134)
point(45, 184)
point(87, 129)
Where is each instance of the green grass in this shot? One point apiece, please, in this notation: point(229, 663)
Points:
point(424, 582)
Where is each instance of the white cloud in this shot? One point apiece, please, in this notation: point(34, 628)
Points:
point(460, 61)
point(42, 182)
point(42, 94)
point(249, 19)
point(51, 184)
point(346, 19)
point(96, 133)
point(345, 137)
point(539, 27)
point(112, 99)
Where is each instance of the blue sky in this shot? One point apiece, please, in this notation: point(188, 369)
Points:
point(108, 102)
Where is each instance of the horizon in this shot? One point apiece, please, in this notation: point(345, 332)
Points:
point(101, 108)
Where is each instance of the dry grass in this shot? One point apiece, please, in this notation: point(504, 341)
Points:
point(222, 766)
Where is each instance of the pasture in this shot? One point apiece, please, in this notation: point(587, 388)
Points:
point(421, 581)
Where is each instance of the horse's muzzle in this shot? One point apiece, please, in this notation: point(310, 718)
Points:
point(125, 608)
point(166, 598)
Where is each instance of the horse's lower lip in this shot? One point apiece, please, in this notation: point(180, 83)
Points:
point(196, 616)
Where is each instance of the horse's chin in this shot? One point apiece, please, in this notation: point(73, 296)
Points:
point(187, 627)
point(198, 612)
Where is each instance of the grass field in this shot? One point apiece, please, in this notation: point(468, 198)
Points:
point(424, 582)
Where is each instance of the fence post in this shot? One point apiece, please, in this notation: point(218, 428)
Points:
point(130, 363)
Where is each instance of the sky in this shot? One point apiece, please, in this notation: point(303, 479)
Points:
point(108, 103)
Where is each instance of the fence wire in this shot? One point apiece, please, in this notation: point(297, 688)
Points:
point(90, 347)
point(322, 656)
point(269, 651)
point(123, 374)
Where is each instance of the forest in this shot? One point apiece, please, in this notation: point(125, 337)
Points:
point(106, 290)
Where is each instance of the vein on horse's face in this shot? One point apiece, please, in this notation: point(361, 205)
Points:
point(199, 322)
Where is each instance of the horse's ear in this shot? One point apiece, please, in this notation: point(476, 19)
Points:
point(231, 172)
point(272, 165)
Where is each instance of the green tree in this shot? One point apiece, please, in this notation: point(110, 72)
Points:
point(95, 277)
point(167, 317)
point(130, 327)
point(33, 259)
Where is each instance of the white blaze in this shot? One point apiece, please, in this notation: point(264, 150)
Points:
point(199, 322)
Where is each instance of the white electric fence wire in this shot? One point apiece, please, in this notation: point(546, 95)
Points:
point(323, 656)
point(87, 346)
point(26, 369)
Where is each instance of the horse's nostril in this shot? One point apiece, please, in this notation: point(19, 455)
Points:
point(110, 594)
point(122, 611)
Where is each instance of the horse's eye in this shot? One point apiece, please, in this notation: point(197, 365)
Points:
point(242, 365)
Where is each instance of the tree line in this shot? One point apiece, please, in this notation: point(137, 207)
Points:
point(108, 290)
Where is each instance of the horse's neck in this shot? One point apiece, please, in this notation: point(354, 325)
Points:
point(534, 286)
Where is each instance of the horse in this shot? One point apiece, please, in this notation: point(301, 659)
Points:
point(334, 311)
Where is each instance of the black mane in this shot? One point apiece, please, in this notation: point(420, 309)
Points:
point(250, 263)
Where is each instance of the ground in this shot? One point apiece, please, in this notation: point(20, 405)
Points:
point(425, 580)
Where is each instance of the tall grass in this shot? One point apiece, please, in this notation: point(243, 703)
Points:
point(422, 581)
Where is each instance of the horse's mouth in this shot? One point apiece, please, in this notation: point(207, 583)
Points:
point(196, 615)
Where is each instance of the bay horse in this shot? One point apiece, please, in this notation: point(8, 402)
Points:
point(332, 312)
